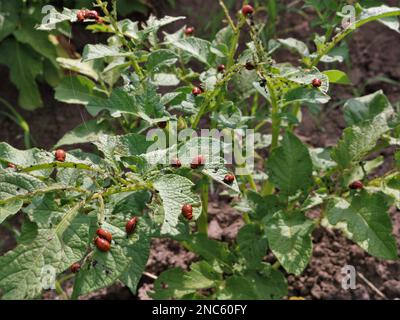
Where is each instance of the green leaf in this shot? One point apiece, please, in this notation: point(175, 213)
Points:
point(321, 159)
point(175, 191)
point(125, 261)
point(126, 204)
point(367, 221)
point(165, 79)
point(53, 17)
point(129, 28)
point(305, 77)
point(306, 95)
point(9, 17)
point(33, 266)
point(153, 24)
point(9, 209)
point(359, 140)
point(359, 172)
point(175, 283)
point(217, 171)
point(252, 286)
point(143, 102)
point(25, 158)
point(77, 65)
point(100, 51)
point(263, 206)
point(45, 211)
point(337, 76)
point(139, 254)
point(38, 40)
point(375, 13)
point(252, 244)
point(76, 90)
point(215, 252)
point(24, 68)
point(289, 166)
point(89, 131)
point(197, 48)
point(211, 149)
point(295, 45)
point(14, 185)
point(160, 58)
point(358, 110)
point(116, 147)
point(119, 102)
point(391, 22)
point(289, 236)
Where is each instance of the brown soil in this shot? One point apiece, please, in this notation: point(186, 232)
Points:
point(374, 50)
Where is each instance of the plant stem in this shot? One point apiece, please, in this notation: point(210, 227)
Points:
point(120, 35)
point(250, 179)
point(18, 119)
point(60, 291)
point(205, 106)
point(202, 222)
point(42, 191)
point(226, 11)
point(276, 120)
point(295, 112)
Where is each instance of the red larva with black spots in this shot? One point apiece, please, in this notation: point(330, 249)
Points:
point(197, 91)
point(249, 66)
point(229, 178)
point(187, 211)
point(131, 225)
point(247, 10)
point(60, 155)
point(102, 233)
point(102, 244)
point(316, 83)
point(11, 166)
point(189, 31)
point(75, 267)
point(198, 161)
point(356, 185)
point(82, 15)
point(221, 68)
point(176, 163)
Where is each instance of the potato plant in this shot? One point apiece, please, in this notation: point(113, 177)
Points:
point(30, 54)
point(91, 215)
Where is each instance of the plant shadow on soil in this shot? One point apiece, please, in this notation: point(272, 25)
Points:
point(374, 51)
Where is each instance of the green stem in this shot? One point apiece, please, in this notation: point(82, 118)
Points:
point(101, 214)
point(122, 37)
point(246, 218)
point(206, 104)
point(260, 125)
point(295, 112)
point(340, 36)
point(42, 191)
point(52, 165)
point(226, 11)
point(18, 119)
point(60, 291)
point(202, 222)
point(276, 120)
point(276, 265)
point(71, 214)
point(250, 179)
